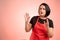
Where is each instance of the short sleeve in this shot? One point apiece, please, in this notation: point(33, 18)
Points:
point(51, 23)
point(33, 20)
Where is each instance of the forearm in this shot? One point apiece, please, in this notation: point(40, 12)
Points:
point(50, 32)
point(27, 26)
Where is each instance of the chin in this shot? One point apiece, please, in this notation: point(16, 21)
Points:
point(41, 15)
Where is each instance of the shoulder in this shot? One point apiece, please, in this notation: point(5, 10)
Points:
point(34, 17)
point(50, 23)
point(33, 20)
point(50, 20)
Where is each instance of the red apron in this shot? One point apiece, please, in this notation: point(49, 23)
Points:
point(39, 32)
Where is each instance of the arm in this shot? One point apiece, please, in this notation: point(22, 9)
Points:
point(50, 32)
point(28, 25)
point(50, 29)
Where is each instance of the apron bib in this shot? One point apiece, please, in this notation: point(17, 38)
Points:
point(39, 32)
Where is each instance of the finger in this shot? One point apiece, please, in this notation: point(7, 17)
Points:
point(28, 18)
point(27, 14)
point(47, 22)
point(44, 23)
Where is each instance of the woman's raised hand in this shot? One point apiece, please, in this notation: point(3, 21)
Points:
point(27, 17)
point(46, 23)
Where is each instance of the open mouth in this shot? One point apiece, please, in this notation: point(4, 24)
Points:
point(41, 13)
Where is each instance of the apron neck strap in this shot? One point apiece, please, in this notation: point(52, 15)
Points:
point(39, 17)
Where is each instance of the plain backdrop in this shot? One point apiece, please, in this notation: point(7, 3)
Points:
point(12, 23)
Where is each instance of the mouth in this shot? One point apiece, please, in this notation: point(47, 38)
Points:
point(41, 13)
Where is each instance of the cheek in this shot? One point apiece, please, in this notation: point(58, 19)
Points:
point(44, 12)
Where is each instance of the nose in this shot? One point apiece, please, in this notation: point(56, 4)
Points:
point(41, 10)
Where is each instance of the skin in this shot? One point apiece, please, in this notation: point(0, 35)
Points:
point(28, 26)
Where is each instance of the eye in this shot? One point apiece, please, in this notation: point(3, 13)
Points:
point(44, 9)
point(40, 8)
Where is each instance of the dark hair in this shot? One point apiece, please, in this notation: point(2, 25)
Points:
point(47, 9)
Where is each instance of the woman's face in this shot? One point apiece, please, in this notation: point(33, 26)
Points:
point(42, 11)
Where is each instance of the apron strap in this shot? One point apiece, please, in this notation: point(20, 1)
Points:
point(39, 17)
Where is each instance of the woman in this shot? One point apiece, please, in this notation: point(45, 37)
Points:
point(42, 27)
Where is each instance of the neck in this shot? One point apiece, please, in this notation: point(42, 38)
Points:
point(42, 17)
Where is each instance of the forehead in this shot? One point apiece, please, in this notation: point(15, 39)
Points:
point(42, 6)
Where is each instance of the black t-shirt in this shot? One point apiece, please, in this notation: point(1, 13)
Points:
point(34, 19)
